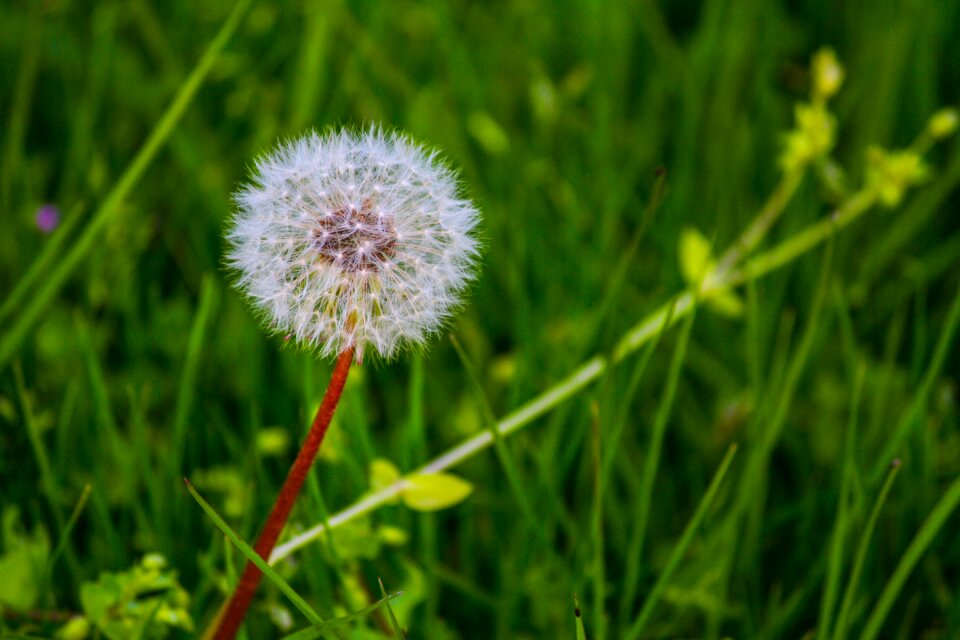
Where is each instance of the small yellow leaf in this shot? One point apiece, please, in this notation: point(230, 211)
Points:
point(696, 257)
point(726, 303)
point(943, 123)
point(435, 491)
point(383, 473)
point(827, 73)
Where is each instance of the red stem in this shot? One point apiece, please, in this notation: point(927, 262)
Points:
point(243, 595)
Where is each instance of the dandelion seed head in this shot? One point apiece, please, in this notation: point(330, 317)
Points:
point(350, 239)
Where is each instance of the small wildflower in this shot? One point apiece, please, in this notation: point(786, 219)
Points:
point(350, 240)
point(813, 137)
point(47, 218)
point(273, 441)
point(890, 174)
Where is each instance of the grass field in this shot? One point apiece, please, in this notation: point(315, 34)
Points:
point(774, 459)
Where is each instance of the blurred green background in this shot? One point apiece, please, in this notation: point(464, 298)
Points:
point(146, 366)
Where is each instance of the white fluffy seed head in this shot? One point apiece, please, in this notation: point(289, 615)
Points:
point(355, 240)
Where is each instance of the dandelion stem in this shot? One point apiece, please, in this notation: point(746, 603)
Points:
point(242, 596)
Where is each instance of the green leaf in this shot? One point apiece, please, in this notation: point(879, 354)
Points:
point(435, 491)
point(696, 261)
point(22, 566)
point(383, 473)
point(696, 256)
point(143, 602)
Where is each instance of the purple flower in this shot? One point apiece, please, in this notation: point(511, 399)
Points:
point(48, 218)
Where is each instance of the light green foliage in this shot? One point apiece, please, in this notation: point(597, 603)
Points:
point(943, 123)
point(696, 262)
point(273, 441)
point(641, 168)
point(383, 473)
point(23, 562)
point(891, 174)
point(76, 629)
point(815, 131)
point(146, 601)
point(434, 491)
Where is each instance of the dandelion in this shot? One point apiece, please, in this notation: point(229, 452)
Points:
point(345, 243)
point(353, 241)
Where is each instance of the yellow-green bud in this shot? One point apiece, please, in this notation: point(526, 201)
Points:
point(75, 629)
point(154, 562)
point(943, 123)
point(827, 73)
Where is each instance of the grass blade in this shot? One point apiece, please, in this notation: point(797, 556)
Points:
point(68, 263)
point(68, 527)
point(52, 250)
point(253, 557)
point(393, 618)
point(650, 466)
point(514, 478)
point(596, 529)
point(188, 376)
point(911, 416)
point(581, 632)
point(835, 557)
point(840, 630)
point(918, 546)
point(322, 629)
point(681, 548)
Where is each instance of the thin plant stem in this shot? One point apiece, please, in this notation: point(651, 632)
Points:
point(655, 322)
point(243, 595)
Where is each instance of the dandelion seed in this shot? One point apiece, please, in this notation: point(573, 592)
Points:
point(363, 219)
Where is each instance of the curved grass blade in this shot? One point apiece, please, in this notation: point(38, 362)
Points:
point(52, 250)
point(681, 548)
point(514, 477)
point(840, 630)
point(912, 416)
point(842, 521)
point(68, 527)
point(322, 629)
point(918, 546)
point(652, 463)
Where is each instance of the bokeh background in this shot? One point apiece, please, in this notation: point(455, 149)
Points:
point(564, 118)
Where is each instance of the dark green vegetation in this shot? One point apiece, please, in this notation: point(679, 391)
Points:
point(128, 362)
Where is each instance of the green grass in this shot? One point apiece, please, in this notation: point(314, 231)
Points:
point(592, 404)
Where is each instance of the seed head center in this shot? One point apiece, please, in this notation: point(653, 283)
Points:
point(355, 239)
